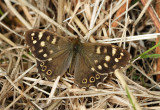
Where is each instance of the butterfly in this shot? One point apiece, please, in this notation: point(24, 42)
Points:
point(91, 62)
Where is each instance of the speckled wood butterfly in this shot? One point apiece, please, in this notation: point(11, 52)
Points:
point(91, 62)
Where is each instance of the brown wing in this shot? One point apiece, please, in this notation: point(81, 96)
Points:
point(95, 61)
point(56, 67)
point(53, 52)
point(84, 75)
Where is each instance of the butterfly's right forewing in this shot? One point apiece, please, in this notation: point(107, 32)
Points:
point(53, 52)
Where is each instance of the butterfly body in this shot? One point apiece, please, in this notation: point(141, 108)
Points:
point(91, 62)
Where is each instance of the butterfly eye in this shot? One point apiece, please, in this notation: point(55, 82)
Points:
point(92, 79)
point(49, 72)
point(42, 64)
point(97, 76)
point(44, 68)
point(84, 81)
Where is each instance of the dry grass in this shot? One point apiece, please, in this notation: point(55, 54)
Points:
point(21, 87)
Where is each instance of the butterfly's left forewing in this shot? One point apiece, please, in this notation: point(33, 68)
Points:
point(95, 61)
point(45, 44)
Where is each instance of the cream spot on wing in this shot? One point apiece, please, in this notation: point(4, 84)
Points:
point(107, 58)
point(51, 51)
point(40, 51)
point(105, 50)
point(48, 38)
point(32, 38)
point(32, 34)
point(45, 55)
point(42, 44)
point(122, 54)
point(92, 69)
point(116, 60)
point(40, 35)
point(34, 42)
point(95, 61)
point(105, 65)
point(114, 50)
point(99, 67)
point(98, 51)
point(120, 57)
point(54, 40)
point(49, 59)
